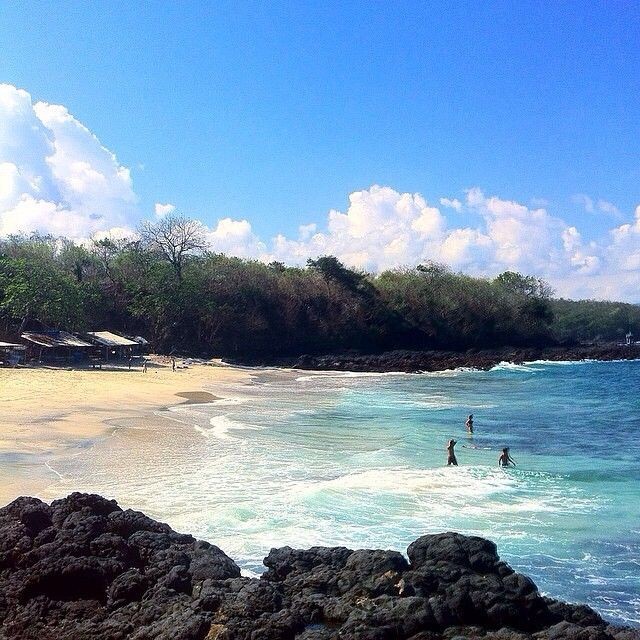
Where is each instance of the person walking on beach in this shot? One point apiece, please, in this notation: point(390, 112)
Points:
point(505, 458)
point(469, 423)
point(144, 366)
point(173, 363)
point(451, 457)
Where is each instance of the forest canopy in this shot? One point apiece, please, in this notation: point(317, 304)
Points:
point(170, 289)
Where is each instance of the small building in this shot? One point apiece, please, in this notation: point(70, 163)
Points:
point(11, 355)
point(113, 346)
point(56, 346)
point(629, 337)
point(143, 344)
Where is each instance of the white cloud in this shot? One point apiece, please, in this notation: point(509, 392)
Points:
point(162, 210)
point(592, 206)
point(382, 228)
point(307, 230)
point(115, 234)
point(467, 249)
point(236, 238)
point(624, 249)
point(584, 201)
point(609, 208)
point(522, 239)
point(55, 175)
point(451, 204)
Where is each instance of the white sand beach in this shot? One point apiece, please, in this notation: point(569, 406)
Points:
point(47, 412)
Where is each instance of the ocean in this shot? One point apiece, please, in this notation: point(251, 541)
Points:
point(303, 458)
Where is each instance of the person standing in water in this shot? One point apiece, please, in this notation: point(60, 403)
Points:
point(451, 459)
point(505, 458)
point(469, 423)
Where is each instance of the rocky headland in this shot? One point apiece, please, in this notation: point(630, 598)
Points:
point(421, 361)
point(83, 568)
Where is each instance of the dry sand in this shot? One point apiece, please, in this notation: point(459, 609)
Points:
point(48, 412)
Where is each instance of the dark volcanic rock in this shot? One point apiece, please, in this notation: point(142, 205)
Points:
point(82, 568)
point(418, 361)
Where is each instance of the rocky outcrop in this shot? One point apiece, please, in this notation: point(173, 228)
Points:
point(418, 361)
point(82, 568)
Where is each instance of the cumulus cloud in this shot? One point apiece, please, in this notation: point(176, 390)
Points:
point(236, 238)
point(382, 228)
point(162, 210)
point(55, 175)
point(624, 249)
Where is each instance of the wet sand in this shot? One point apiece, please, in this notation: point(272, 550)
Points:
point(46, 413)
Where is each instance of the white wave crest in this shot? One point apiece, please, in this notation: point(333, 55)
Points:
point(512, 366)
point(221, 426)
point(350, 374)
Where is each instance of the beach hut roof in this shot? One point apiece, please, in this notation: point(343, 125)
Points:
point(51, 339)
point(109, 339)
point(11, 345)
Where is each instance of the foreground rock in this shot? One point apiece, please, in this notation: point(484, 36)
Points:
point(82, 568)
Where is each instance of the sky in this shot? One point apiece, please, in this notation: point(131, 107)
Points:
point(484, 135)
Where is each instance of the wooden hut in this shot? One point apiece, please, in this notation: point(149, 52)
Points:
point(56, 346)
point(113, 346)
point(11, 354)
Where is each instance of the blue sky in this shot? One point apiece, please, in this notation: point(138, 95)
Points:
point(275, 112)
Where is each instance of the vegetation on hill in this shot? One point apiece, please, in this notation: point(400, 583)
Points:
point(165, 286)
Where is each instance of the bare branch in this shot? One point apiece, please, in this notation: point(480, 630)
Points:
point(174, 237)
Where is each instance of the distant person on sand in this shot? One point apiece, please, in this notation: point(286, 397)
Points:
point(173, 364)
point(144, 366)
point(469, 423)
point(451, 459)
point(505, 458)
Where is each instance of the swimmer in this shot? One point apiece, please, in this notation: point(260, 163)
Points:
point(469, 423)
point(505, 458)
point(451, 459)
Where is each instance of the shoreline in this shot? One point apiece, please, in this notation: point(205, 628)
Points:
point(429, 361)
point(48, 414)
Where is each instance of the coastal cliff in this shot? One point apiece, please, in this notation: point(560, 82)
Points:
point(84, 568)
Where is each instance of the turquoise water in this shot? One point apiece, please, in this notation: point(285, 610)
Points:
point(358, 460)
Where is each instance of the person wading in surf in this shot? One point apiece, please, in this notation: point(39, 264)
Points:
point(469, 423)
point(505, 459)
point(451, 459)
